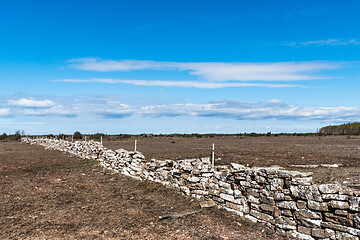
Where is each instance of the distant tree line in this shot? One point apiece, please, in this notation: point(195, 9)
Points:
point(13, 137)
point(115, 137)
point(343, 129)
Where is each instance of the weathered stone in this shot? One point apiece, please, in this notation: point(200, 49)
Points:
point(268, 208)
point(287, 205)
point(234, 211)
point(293, 174)
point(262, 216)
point(227, 197)
point(285, 223)
point(288, 198)
point(329, 188)
point(301, 204)
point(345, 236)
point(207, 204)
point(276, 183)
point(305, 213)
point(354, 203)
point(338, 219)
point(307, 222)
point(279, 196)
point(245, 183)
point(228, 191)
point(357, 220)
point(267, 200)
point(286, 212)
point(317, 232)
point(194, 179)
point(300, 236)
point(237, 193)
point(304, 230)
point(224, 184)
point(260, 179)
point(286, 191)
point(329, 233)
point(237, 166)
point(337, 227)
point(318, 206)
point(253, 199)
point(339, 204)
point(254, 192)
point(302, 181)
point(251, 218)
point(341, 212)
point(232, 206)
point(276, 212)
point(255, 206)
point(306, 192)
point(349, 192)
point(335, 197)
point(200, 192)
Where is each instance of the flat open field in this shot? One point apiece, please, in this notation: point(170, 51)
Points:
point(283, 151)
point(47, 194)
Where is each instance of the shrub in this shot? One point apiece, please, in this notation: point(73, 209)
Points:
point(3, 136)
point(97, 136)
point(77, 135)
point(61, 136)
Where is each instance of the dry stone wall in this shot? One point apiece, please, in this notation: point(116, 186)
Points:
point(286, 201)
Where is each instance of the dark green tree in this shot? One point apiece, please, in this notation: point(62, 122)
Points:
point(77, 135)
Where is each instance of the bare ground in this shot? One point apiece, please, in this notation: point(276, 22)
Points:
point(46, 194)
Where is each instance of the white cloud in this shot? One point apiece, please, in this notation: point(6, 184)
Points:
point(327, 42)
point(31, 103)
point(190, 84)
point(276, 101)
point(4, 112)
point(216, 71)
point(58, 110)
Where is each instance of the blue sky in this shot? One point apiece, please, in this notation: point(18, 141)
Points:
point(178, 66)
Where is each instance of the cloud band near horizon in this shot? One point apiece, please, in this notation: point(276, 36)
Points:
point(111, 108)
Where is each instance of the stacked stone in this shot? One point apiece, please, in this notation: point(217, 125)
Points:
point(286, 201)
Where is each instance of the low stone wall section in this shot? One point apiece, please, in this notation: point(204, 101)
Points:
point(286, 201)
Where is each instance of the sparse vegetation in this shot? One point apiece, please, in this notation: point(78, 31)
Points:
point(13, 137)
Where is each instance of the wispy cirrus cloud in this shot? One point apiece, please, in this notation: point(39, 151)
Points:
point(216, 71)
point(327, 42)
point(187, 84)
point(31, 103)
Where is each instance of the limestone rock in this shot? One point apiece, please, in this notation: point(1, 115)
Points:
point(339, 204)
point(329, 188)
point(207, 204)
